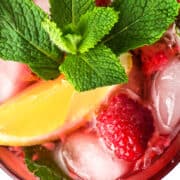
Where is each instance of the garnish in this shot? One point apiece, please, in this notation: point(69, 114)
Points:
point(126, 126)
point(23, 39)
point(65, 12)
point(140, 22)
point(41, 163)
point(78, 28)
point(83, 71)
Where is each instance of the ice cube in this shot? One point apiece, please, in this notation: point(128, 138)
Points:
point(85, 155)
point(14, 77)
point(166, 96)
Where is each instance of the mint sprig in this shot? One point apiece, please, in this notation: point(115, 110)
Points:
point(29, 35)
point(86, 66)
point(23, 39)
point(90, 29)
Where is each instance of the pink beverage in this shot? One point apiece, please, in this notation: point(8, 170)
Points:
point(133, 134)
point(103, 150)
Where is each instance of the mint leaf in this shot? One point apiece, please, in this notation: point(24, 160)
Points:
point(65, 42)
point(94, 25)
point(90, 30)
point(28, 36)
point(45, 167)
point(140, 22)
point(43, 172)
point(23, 39)
point(98, 67)
point(64, 12)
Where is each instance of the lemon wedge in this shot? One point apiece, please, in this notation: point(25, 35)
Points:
point(41, 110)
point(46, 110)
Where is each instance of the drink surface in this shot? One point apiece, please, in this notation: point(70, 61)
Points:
point(86, 154)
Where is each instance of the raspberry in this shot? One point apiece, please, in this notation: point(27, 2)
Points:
point(103, 2)
point(156, 56)
point(155, 63)
point(125, 126)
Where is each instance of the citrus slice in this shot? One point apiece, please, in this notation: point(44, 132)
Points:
point(45, 111)
point(37, 113)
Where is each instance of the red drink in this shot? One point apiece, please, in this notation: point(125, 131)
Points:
point(132, 134)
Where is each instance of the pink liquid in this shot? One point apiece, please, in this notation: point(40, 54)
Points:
point(83, 154)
